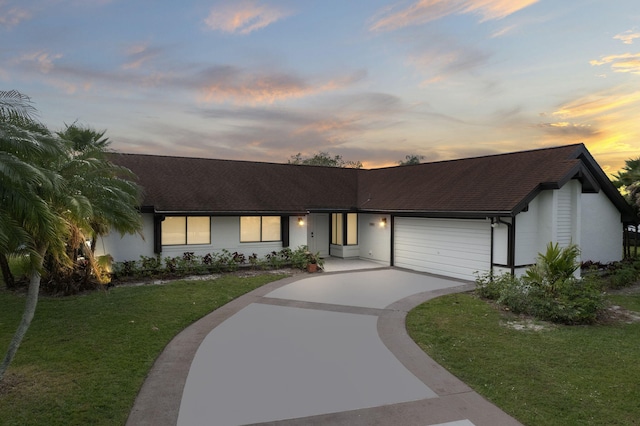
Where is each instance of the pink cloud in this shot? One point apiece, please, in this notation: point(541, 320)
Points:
point(424, 11)
point(244, 17)
point(43, 60)
point(12, 16)
point(237, 86)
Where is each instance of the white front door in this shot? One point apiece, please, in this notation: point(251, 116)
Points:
point(318, 233)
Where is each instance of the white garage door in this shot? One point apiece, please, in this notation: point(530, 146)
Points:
point(451, 247)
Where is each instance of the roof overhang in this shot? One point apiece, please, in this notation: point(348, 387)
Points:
point(590, 164)
point(226, 213)
point(460, 214)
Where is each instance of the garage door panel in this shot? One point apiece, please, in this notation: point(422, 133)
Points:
point(451, 247)
point(439, 256)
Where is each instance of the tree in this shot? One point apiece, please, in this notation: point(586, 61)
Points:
point(20, 142)
point(113, 198)
point(52, 191)
point(110, 188)
point(324, 159)
point(628, 179)
point(29, 194)
point(411, 160)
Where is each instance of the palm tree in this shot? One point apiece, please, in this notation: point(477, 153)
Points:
point(628, 179)
point(113, 196)
point(629, 174)
point(21, 141)
point(52, 191)
point(29, 192)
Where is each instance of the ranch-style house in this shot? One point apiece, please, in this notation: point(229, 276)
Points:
point(453, 218)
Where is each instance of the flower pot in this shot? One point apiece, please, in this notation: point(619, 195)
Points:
point(312, 267)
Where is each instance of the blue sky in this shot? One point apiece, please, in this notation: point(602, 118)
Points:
point(370, 80)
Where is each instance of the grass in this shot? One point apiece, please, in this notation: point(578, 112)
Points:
point(562, 375)
point(85, 357)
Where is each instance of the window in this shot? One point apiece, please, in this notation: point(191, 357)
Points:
point(336, 229)
point(352, 229)
point(259, 229)
point(181, 230)
point(340, 232)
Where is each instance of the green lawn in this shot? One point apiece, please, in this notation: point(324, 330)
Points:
point(562, 375)
point(85, 357)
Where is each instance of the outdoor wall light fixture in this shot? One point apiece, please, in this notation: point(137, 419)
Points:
point(300, 221)
point(383, 222)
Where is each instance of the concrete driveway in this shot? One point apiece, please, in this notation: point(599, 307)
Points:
point(328, 348)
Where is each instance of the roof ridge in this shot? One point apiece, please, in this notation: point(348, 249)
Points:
point(477, 157)
point(182, 157)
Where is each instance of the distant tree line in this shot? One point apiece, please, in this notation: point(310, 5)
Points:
point(325, 159)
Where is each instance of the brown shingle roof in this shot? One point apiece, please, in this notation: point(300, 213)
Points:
point(496, 183)
point(179, 184)
point(491, 185)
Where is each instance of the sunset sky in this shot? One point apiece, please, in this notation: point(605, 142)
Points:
point(370, 80)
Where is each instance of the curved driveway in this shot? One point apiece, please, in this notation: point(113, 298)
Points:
point(328, 348)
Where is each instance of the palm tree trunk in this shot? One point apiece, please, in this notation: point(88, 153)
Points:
point(7, 276)
point(27, 316)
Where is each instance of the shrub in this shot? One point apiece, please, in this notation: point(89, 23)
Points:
point(128, 268)
point(490, 286)
point(623, 277)
point(225, 261)
point(578, 301)
point(548, 290)
point(151, 266)
point(553, 267)
point(299, 257)
point(222, 261)
point(518, 296)
point(253, 260)
point(275, 260)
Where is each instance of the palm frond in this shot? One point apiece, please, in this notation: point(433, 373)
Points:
point(15, 105)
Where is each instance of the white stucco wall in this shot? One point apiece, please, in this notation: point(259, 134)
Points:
point(500, 243)
point(601, 229)
point(225, 234)
point(128, 247)
point(344, 251)
point(528, 235)
point(374, 240)
point(568, 216)
point(546, 221)
point(297, 232)
point(553, 216)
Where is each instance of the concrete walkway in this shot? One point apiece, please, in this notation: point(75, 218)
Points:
point(327, 348)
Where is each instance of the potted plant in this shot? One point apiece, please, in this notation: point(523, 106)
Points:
point(314, 261)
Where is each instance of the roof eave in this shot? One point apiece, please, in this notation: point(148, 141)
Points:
point(626, 211)
point(454, 214)
point(228, 212)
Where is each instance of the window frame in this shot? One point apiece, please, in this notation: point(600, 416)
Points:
point(340, 227)
point(186, 236)
point(261, 230)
